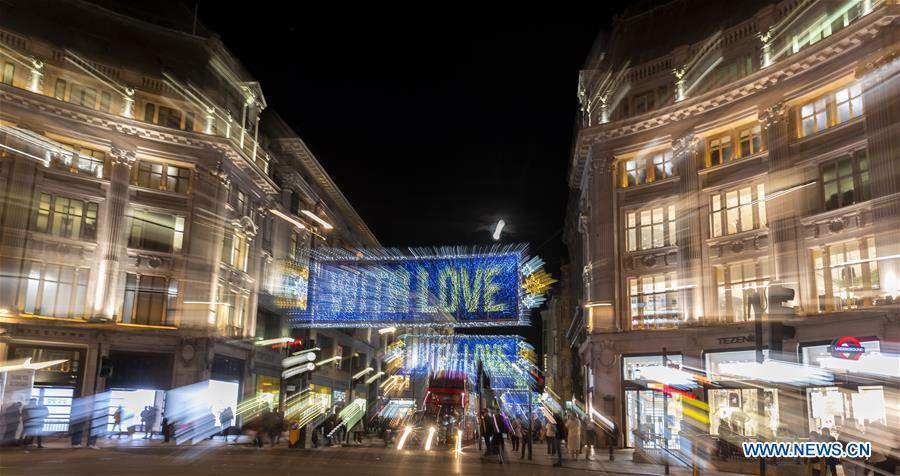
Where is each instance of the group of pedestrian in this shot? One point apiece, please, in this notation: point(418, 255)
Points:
point(30, 418)
point(880, 462)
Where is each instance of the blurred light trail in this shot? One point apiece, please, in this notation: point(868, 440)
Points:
point(406, 432)
point(429, 438)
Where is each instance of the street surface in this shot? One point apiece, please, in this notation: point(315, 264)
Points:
point(141, 458)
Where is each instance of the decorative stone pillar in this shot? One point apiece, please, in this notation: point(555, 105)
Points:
point(602, 253)
point(128, 103)
point(204, 250)
point(784, 201)
point(37, 76)
point(688, 229)
point(881, 98)
point(112, 247)
point(18, 175)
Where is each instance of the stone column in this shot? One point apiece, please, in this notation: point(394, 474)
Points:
point(688, 234)
point(784, 201)
point(19, 176)
point(204, 249)
point(881, 98)
point(112, 248)
point(601, 240)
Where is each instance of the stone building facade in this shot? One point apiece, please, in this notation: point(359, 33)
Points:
point(718, 169)
point(156, 217)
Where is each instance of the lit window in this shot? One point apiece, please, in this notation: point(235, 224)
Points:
point(9, 72)
point(150, 175)
point(848, 102)
point(83, 160)
point(814, 116)
point(653, 301)
point(650, 228)
point(831, 109)
point(846, 275)
point(53, 290)
point(235, 250)
point(846, 181)
point(67, 217)
point(742, 290)
point(719, 150)
point(662, 165)
point(743, 210)
point(750, 140)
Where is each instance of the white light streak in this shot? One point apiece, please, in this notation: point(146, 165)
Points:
point(406, 432)
point(387, 330)
point(277, 340)
point(328, 360)
point(298, 359)
point(318, 220)
point(362, 372)
point(298, 370)
point(287, 218)
point(374, 377)
point(429, 438)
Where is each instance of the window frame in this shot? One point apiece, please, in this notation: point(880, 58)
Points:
point(135, 295)
point(665, 228)
point(86, 226)
point(138, 242)
point(719, 218)
point(165, 176)
point(860, 178)
point(830, 107)
point(638, 301)
point(37, 285)
point(642, 169)
point(734, 137)
point(725, 285)
point(827, 299)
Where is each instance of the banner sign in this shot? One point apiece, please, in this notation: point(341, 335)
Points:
point(460, 290)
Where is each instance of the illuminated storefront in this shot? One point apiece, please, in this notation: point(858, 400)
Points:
point(269, 389)
point(830, 407)
point(738, 403)
point(650, 413)
point(55, 386)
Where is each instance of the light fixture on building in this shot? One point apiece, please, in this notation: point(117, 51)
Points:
point(318, 220)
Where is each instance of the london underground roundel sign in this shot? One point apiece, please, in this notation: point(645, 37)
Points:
point(847, 347)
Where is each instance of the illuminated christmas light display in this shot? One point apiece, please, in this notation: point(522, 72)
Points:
point(452, 286)
point(504, 358)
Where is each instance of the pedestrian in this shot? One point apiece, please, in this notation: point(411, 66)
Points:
point(550, 435)
point(117, 422)
point(150, 422)
point(166, 429)
point(590, 440)
point(33, 416)
point(558, 439)
point(526, 440)
point(829, 463)
point(225, 419)
point(573, 442)
point(516, 434)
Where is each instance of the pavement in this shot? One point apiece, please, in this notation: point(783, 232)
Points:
point(216, 458)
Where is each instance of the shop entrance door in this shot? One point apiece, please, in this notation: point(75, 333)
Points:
point(133, 403)
point(647, 421)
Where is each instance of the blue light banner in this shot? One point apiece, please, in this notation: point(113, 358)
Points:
point(458, 290)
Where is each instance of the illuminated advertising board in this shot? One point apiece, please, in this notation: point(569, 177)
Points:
point(458, 290)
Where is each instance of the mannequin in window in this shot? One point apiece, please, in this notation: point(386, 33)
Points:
point(756, 303)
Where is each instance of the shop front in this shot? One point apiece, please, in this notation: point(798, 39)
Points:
point(224, 388)
point(859, 394)
point(56, 386)
point(138, 383)
point(734, 402)
point(650, 413)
